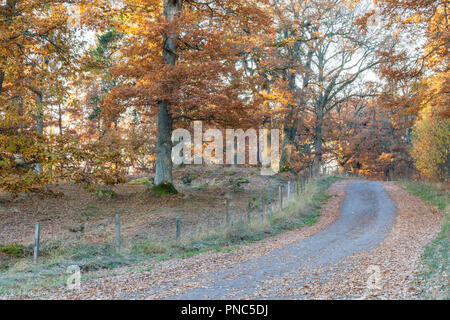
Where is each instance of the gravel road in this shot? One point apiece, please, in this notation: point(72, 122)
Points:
point(367, 216)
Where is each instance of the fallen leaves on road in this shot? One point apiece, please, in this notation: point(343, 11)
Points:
point(161, 281)
point(396, 259)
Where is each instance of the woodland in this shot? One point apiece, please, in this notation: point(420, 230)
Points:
point(91, 90)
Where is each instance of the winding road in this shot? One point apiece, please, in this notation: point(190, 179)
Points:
point(367, 216)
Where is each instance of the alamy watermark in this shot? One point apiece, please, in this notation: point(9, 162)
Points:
point(263, 147)
point(74, 279)
point(373, 284)
point(374, 280)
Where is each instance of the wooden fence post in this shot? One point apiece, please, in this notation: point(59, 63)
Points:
point(37, 235)
point(269, 202)
point(118, 231)
point(248, 212)
point(261, 205)
point(280, 191)
point(178, 232)
point(227, 212)
point(288, 192)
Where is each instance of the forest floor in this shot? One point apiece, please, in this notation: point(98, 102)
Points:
point(370, 248)
point(367, 242)
point(78, 227)
point(68, 212)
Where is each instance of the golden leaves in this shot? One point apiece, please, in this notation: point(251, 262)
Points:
point(431, 147)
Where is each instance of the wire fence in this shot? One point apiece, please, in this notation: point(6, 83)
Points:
point(256, 209)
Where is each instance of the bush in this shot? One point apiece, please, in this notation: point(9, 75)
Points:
point(106, 194)
point(187, 179)
point(431, 148)
point(14, 250)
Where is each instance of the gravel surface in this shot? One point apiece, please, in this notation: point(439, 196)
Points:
point(367, 215)
point(395, 262)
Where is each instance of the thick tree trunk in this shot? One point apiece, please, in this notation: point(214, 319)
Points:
point(163, 174)
point(290, 127)
point(288, 144)
point(292, 121)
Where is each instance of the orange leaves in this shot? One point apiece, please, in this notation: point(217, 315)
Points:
point(371, 140)
point(212, 42)
point(365, 21)
point(38, 57)
point(420, 20)
point(386, 158)
point(20, 150)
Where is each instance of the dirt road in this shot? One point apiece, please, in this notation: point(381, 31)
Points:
point(366, 218)
point(367, 227)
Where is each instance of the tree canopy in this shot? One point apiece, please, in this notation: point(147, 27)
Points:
point(90, 90)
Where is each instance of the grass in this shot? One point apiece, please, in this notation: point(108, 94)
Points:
point(305, 211)
point(23, 276)
point(433, 276)
point(430, 192)
point(165, 189)
point(13, 250)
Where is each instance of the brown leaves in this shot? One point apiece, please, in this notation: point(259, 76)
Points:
point(205, 83)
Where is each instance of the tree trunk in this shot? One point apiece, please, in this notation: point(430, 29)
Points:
point(60, 119)
point(288, 145)
point(39, 123)
point(290, 127)
point(163, 174)
point(2, 78)
point(318, 143)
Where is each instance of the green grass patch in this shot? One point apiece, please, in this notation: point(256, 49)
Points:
point(14, 250)
point(23, 276)
point(433, 275)
point(165, 189)
point(141, 182)
point(106, 194)
point(430, 192)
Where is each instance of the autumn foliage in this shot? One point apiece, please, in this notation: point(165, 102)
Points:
point(90, 91)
